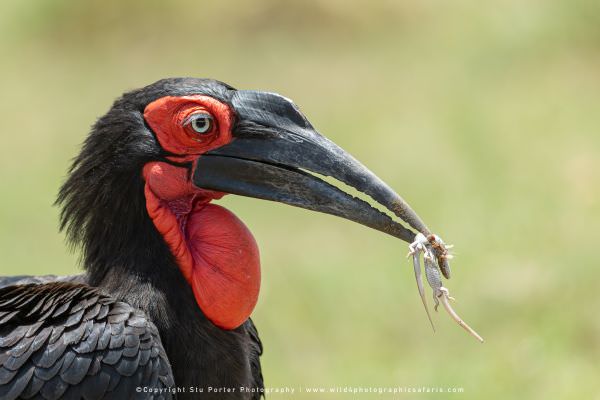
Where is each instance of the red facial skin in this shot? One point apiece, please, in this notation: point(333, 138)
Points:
point(214, 250)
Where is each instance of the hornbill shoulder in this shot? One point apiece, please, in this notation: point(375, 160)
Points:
point(27, 279)
point(69, 340)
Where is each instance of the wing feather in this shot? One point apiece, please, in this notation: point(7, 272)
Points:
point(64, 339)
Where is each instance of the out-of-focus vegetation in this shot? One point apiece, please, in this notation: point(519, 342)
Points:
point(484, 116)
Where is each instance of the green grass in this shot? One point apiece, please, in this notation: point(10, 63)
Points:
point(484, 117)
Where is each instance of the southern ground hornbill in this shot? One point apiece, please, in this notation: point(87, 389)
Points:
point(171, 278)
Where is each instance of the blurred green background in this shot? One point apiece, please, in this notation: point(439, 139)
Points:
point(484, 116)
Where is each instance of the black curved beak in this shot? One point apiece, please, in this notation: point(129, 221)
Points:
point(276, 153)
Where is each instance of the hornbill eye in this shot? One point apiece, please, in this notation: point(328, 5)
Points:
point(200, 122)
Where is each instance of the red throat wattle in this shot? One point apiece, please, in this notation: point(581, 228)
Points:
point(214, 250)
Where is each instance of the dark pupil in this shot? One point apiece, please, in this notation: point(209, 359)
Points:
point(201, 123)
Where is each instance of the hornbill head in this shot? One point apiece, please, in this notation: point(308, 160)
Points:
point(190, 141)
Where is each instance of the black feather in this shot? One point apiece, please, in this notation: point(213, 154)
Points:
point(65, 367)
